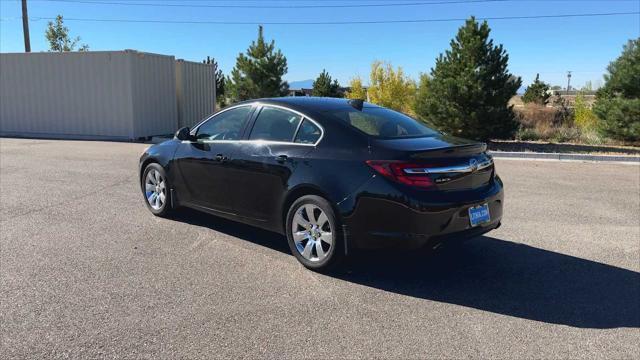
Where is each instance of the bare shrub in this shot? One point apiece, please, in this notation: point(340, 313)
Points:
point(555, 124)
point(543, 120)
point(564, 115)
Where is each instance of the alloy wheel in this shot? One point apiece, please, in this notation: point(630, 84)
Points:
point(312, 233)
point(155, 189)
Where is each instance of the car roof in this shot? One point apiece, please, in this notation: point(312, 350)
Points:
point(309, 103)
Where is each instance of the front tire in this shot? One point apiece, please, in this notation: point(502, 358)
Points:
point(313, 233)
point(155, 189)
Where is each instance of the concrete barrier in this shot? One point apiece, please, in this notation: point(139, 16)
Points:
point(567, 157)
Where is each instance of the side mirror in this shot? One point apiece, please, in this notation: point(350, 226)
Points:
point(184, 134)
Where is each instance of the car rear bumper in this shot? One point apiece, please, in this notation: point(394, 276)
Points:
point(384, 216)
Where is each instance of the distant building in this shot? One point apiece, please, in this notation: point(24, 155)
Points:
point(300, 92)
point(572, 92)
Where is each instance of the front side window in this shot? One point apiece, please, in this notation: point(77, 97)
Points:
point(227, 125)
point(383, 123)
point(275, 124)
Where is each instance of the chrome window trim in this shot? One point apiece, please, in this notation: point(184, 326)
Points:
point(269, 142)
point(451, 169)
point(244, 141)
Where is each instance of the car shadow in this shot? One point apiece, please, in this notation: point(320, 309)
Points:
point(485, 273)
point(511, 279)
point(249, 233)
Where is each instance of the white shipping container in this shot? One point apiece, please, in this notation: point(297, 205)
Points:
point(196, 91)
point(87, 95)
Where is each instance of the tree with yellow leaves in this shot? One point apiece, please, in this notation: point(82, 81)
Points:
point(391, 88)
point(356, 90)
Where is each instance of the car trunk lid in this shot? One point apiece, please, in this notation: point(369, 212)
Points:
point(450, 163)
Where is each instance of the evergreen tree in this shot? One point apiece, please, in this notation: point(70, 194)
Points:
point(470, 87)
point(58, 37)
point(618, 101)
point(220, 81)
point(537, 92)
point(325, 86)
point(259, 73)
point(220, 97)
point(422, 93)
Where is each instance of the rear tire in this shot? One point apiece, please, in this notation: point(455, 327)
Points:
point(313, 233)
point(156, 190)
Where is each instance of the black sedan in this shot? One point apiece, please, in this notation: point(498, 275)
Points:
point(333, 175)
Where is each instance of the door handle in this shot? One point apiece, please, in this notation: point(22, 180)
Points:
point(281, 158)
point(221, 158)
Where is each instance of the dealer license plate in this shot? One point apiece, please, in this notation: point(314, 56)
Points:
point(479, 215)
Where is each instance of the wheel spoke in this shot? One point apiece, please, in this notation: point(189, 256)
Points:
point(153, 200)
point(156, 175)
point(161, 185)
point(157, 201)
point(162, 197)
point(319, 250)
point(322, 219)
point(150, 187)
point(309, 210)
point(299, 220)
point(307, 250)
point(150, 179)
point(327, 237)
point(299, 236)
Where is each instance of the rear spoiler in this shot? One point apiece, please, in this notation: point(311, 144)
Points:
point(451, 151)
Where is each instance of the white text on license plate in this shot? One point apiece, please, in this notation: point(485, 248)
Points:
point(479, 214)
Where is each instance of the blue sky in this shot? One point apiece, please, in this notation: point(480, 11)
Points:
point(549, 46)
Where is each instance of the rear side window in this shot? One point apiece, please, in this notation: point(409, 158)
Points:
point(275, 124)
point(227, 125)
point(383, 123)
point(308, 133)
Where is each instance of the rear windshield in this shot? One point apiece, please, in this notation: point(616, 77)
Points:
point(383, 123)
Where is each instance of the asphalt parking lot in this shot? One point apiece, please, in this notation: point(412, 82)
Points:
point(86, 271)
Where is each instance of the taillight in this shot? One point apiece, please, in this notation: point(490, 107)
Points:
point(395, 170)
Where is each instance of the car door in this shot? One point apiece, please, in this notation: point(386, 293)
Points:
point(205, 164)
point(276, 146)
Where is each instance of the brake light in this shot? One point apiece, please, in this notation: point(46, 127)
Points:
point(394, 170)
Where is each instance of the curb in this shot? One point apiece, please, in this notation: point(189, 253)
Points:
point(629, 159)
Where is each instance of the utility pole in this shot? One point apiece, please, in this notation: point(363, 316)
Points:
point(25, 27)
point(215, 83)
point(568, 81)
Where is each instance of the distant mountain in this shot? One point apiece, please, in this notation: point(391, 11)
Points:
point(302, 84)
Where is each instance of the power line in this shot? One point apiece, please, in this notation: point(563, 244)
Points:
point(356, 22)
point(296, 6)
point(345, 1)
